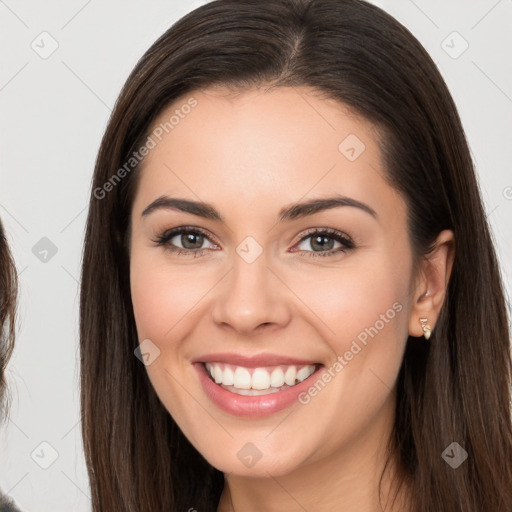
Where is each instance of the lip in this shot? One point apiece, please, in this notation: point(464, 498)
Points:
point(252, 406)
point(254, 361)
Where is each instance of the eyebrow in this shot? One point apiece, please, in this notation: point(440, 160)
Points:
point(288, 213)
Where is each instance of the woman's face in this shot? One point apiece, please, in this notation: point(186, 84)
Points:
point(271, 296)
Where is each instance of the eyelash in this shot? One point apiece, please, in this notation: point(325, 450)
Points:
point(166, 236)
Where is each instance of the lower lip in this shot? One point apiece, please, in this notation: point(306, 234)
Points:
point(252, 406)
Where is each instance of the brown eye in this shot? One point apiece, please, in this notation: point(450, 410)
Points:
point(322, 243)
point(184, 240)
point(191, 240)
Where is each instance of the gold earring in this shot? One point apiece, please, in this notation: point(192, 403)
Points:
point(427, 329)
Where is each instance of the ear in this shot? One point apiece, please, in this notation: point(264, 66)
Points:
point(431, 283)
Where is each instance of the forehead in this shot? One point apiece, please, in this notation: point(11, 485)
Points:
point(263, 148)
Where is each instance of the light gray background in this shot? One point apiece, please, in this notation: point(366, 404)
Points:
point(54, 111)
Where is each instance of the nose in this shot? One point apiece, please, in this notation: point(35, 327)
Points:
point(251, 298)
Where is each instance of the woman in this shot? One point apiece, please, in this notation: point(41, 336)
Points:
point(290, 297)
point(8, 298)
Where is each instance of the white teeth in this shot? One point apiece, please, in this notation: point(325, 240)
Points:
point(254, 392)
point(303, 374)
point(228, 378)
point(277, 378)
point(261, 379)
point(217, 374)
point(289, 376)
point(242, 379)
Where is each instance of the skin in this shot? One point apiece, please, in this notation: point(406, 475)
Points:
point(249, 155)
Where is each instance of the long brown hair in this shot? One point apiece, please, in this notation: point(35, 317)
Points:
point(456, 388)
point(8, 308)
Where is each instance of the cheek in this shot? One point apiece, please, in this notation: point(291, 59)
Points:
point(354, 299)
point(161, 297)
point(361, 314)
point(150, 306)
point(161, 300)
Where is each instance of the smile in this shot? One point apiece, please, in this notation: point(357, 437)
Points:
point(255, 392)
point(258, 381)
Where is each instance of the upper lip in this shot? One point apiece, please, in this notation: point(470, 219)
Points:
point(253, 361)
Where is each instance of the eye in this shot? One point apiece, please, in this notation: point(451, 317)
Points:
point(186, 240)
point(189, 240)
point(322, 242)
